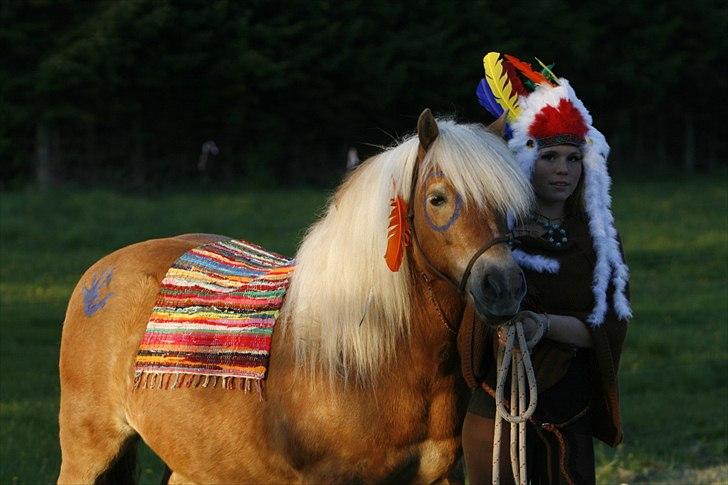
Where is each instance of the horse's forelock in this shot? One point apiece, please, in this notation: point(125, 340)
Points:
point(480, 167)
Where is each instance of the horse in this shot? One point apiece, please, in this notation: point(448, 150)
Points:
point(364, 382)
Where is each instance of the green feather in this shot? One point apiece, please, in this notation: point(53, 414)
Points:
point(546, 71)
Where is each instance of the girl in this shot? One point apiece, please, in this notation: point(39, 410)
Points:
point(577, 281)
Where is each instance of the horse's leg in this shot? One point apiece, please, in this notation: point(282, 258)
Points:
point(96, 448)
point(105, 320)
point(95, 439)
point(97, 442)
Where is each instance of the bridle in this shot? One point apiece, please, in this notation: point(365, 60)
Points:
point(459, 285)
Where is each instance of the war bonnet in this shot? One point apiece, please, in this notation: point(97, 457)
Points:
point(542, 110)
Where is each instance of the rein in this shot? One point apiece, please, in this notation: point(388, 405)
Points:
point(554, 428)
point(521, 369)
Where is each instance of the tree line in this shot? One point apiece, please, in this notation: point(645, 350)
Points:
point(128, 91)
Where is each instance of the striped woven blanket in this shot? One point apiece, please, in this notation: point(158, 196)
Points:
point(213, 320)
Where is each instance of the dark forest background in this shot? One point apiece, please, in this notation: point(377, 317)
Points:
point(125, 92)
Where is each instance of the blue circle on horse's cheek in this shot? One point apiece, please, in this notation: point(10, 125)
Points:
point(453, 217)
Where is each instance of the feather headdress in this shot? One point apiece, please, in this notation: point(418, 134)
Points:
point(547, 112)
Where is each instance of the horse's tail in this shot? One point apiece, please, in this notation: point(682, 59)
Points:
point(123, 469)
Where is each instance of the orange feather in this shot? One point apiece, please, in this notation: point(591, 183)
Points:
point(527, 70)
point(398, 236)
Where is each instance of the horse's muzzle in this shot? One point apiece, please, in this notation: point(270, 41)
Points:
point(497, 290)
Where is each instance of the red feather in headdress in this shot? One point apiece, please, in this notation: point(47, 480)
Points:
point(398, 237)
point(516, 83)
point(527, 70)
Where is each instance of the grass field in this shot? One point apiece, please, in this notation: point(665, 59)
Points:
point(674, 368)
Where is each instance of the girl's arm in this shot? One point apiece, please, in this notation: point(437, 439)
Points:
point(566, 329)
point(561, 328)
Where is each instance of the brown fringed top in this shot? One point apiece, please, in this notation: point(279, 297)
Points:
point(569, 292)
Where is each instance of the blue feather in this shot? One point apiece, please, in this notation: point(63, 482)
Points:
point(487, 100)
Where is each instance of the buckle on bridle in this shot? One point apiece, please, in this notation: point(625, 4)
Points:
point(510, 239)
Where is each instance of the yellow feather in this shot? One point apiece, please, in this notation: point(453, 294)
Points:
point(499, 84)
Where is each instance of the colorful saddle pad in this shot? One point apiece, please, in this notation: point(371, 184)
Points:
point(213, 320)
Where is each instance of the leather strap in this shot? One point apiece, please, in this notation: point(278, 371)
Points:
point(470, 346)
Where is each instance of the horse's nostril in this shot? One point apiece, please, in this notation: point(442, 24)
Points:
point(493, 288)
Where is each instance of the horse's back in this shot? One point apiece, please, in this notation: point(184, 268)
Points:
point(113, 299)
point(104, 322)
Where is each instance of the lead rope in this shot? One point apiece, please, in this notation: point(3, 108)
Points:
point(522, 372)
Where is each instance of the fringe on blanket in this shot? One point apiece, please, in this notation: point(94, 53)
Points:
point(166, 380)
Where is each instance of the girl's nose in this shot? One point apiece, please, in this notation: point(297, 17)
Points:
point(562, 166)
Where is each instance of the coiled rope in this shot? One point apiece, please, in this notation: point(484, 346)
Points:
point(518, 359)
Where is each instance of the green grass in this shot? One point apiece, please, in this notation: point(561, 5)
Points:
point(674, 365)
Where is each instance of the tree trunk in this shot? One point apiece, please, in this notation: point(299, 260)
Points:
point(137, 152)
point(661, 157)
point(92, 155)
point(43, 155)
point(689, 153)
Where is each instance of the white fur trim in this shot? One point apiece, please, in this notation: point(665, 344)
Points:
point(609, 266)
point(535, 262)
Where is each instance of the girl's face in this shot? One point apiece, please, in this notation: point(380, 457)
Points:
point(556, 173)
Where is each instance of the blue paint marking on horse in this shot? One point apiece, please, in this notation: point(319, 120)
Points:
point(455, 214)
point(453, 217)
point(92, 299)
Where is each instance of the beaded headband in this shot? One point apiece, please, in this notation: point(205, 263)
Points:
point(565, 139)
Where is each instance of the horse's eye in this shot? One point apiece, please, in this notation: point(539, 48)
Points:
point(437, 200)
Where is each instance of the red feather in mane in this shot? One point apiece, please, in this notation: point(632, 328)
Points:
point(398, 237)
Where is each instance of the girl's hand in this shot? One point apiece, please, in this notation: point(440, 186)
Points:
point(534, 328)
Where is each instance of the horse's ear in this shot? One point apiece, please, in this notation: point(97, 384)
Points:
point(427, 129)
point(498, 127)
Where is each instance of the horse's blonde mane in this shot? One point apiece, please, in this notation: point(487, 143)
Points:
point(345, 309)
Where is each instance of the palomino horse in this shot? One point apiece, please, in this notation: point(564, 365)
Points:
point(364, 383)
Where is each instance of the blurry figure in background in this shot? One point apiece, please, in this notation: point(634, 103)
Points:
point(577, 284)
point(208, 148)
point(352, 159)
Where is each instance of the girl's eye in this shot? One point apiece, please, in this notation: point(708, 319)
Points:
point(437, 200)
point(548, 157)
point(575, 158)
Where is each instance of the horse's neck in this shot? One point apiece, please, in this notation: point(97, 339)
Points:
point(435, 311)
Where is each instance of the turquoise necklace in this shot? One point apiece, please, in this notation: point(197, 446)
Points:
point(555, 234)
